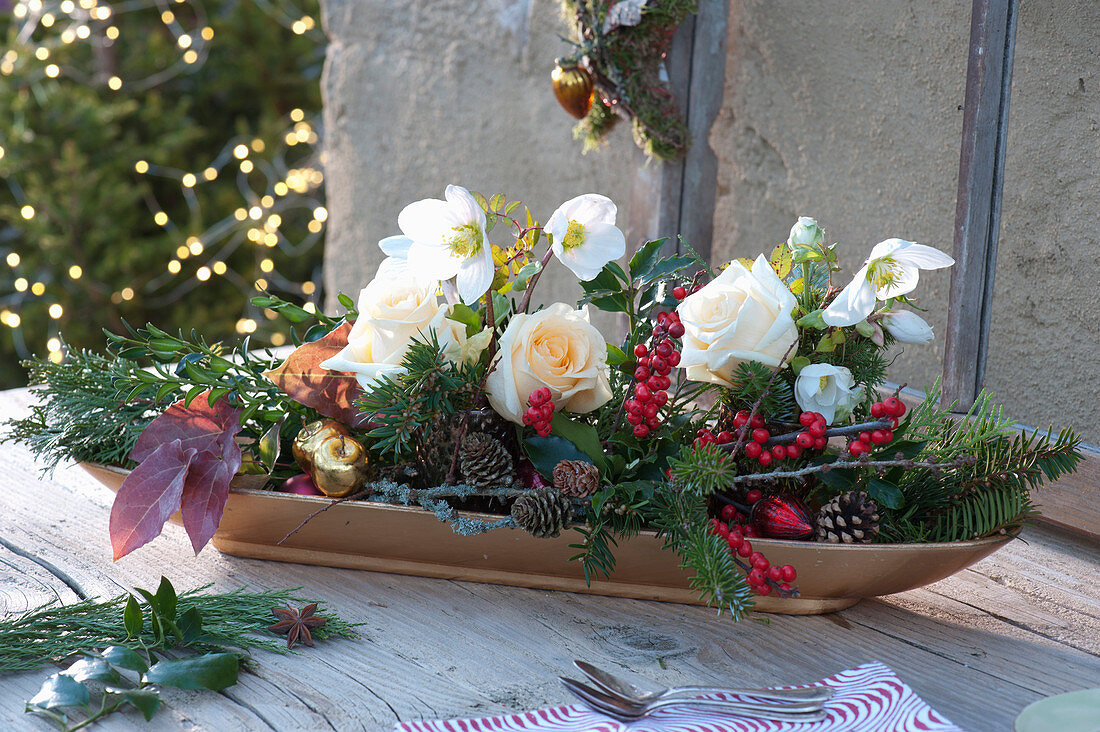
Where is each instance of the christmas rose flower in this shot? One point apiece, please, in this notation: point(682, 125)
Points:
point(583, 234)
point(555, 347)
point(907, 327)
point(448, 239)
point(892, 270)
point(828, 389)
point(741, 315)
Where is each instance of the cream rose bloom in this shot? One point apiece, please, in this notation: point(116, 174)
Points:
point(741, 315)
point(391, 313)
point(557, 348)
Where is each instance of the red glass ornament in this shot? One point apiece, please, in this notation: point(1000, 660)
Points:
point(781, 517)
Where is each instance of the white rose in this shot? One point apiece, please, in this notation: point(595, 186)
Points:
point(828, 389)
point(453, 341)
point(741, 315)
point(806, 233)
point(557, 348)
point(391, 313)
point(907, 327)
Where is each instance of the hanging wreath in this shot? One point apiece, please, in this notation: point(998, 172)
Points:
point(617, 71)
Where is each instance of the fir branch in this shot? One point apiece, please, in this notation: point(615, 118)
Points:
point(237, 619)
point(682, 520)
point(704, 470)
point(81, 414)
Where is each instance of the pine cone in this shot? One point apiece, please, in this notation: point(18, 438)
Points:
point(484, 461)
point(436, 449)
point(726, 413)
point(543, 513)
point(576, 478)
point(850, 518)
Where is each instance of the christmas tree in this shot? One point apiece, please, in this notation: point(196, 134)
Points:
point(155, 164)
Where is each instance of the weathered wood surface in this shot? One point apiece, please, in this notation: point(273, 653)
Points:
point(1018, 626)
point(978, 208)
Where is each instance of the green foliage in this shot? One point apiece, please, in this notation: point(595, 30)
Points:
point(70, 146)
point(752, 380)
point(703, 470)
point(404, 406)
point(212, 661)
point(628, 60)
point(235, 619)
point(80, 415)
point(681, 517)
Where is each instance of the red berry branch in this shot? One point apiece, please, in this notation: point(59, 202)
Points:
point(762, 576)
point(652, 374)
point(540, 411)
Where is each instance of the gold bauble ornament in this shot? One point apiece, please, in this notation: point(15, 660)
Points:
point(311, 436)
point(340, 466)
point(573, 88)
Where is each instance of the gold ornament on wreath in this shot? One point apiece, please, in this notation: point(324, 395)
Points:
point(617, 72)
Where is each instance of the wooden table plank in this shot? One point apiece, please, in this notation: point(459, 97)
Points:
point(1018, 626)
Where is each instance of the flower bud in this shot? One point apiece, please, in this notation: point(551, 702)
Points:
point(806, 233)
point(907, 327)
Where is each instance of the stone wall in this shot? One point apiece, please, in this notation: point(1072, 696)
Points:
point(856, 118)
point(847, 112)
point(422, 93)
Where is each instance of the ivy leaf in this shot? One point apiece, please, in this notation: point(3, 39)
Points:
point(146, 701)
point(885, 494)
point(214, 671)
point(91, 668)
point(332, 393)
point(61, 691)
point(583, 436)
point(149, 495)
point(124, 657)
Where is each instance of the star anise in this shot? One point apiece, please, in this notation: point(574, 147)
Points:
point(296, 623)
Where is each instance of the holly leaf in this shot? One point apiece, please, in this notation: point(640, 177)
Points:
point(214, 671)
point(61, 691)
point(885, 494)
point(148, 497)
point(583, 436)
point(332, 393)
point(198, 426)
point(123, 657)
point(146, 701)
point(206, 490)
point(91, 668)
point(546, 452)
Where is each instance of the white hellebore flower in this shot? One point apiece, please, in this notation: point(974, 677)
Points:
point(741, 315)
point(907, 327)
point(584, 236)
point(392, 312)
point(449, 240)
point(892, 270)
point(828, 389)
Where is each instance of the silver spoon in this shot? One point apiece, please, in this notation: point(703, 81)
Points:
point(627, 711)
point(622, 688)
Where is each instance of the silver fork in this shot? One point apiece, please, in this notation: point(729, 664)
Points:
point(627, 711)
point(614, 686)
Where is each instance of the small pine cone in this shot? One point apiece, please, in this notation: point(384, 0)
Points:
point(543, 513)
point(485, 462)
point(576, 478)
point(850, 518)
point(726, 413)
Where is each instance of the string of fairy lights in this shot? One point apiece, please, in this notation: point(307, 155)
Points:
point(275, 181)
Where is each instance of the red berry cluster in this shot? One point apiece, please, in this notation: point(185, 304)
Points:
point(540, 411)
point(762, 575)
point(652, 374)
point(892, 409)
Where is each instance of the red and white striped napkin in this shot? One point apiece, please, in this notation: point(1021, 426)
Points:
point(870, 698)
